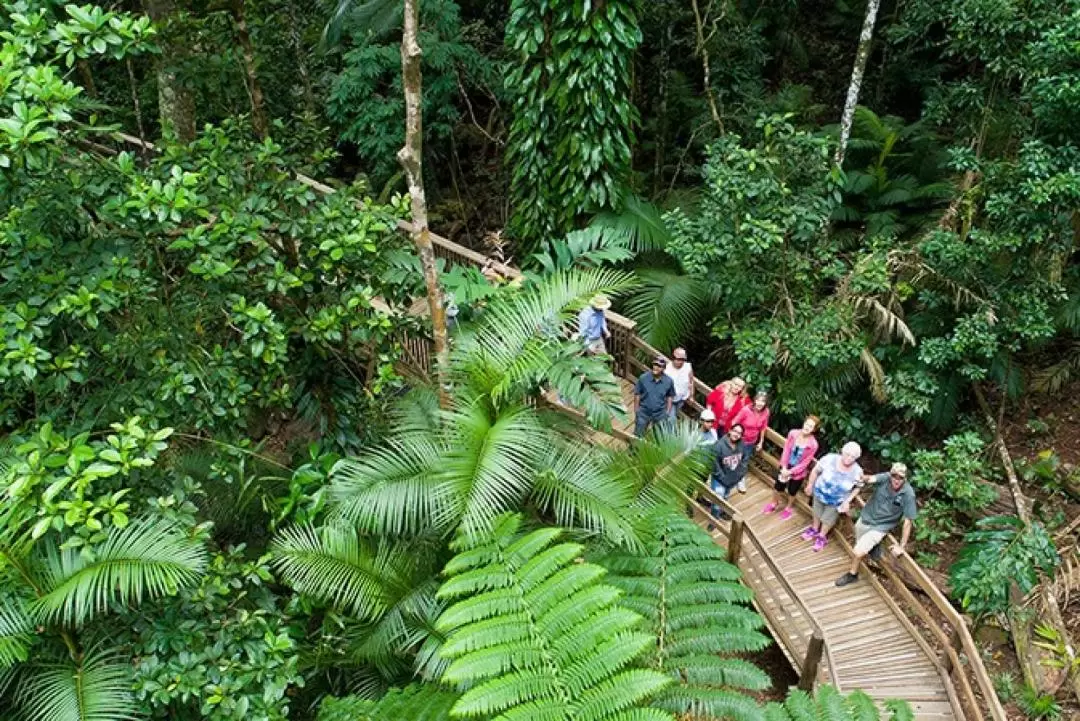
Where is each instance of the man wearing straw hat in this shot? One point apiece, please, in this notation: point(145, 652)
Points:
point(592, 325)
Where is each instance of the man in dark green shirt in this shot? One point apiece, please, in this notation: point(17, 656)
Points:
point(893, 500)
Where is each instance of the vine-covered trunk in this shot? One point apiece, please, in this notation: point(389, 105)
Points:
point(866, 38)
point(699, 27)
point(410, 157)
point(176, 102)
point(247, 55)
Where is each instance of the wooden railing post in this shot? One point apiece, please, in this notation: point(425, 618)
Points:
point(811, 662)
point(735, 540)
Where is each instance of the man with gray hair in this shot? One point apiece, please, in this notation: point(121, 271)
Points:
point(893, 500)
point(830, 484)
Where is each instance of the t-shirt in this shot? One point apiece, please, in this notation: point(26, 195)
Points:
point(708, 438)
point(753, 423)
point(681, 378)
point(834, 484)
point(591, 323)
point(729, 462)
point(653, 393)
point(886, 507)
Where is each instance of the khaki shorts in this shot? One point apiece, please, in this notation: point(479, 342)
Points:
point(866, 538)
point(596, 347)
point(828, 515)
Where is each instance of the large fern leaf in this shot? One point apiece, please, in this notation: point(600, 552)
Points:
point(534, 633)
point(690, 599)
point(146, 559)
point(414, 703)
point(16, 632)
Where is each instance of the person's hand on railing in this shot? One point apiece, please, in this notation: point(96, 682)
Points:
point(844, 507)
point(897, 550)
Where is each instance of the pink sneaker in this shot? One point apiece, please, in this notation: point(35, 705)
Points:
point(820, 543)
point(809, 534)
point(785, 514)
point(769, 508)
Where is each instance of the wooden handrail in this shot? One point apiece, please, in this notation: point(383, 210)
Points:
point(957, 622)
point(748, 534)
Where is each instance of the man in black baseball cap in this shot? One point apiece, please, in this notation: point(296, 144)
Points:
point(654, 393)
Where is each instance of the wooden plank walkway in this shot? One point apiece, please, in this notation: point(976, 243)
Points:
point(871, 643)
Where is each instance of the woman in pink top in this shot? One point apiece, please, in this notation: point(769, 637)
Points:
point(799, 450)
point(726, 400)
point(754, 419)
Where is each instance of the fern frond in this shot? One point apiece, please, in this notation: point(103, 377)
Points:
point(565, 649)
point(418, 702)
point(16, 632)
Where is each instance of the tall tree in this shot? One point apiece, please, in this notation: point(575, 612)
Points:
point(176, 101)
point(866, 37)
point(411, 157)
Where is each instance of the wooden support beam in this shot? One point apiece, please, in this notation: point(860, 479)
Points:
point(735, 540)
point(810, 664)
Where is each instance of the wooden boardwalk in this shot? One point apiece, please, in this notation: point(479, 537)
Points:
point(871, 643)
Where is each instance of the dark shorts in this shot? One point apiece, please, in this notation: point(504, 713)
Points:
point(790, 487)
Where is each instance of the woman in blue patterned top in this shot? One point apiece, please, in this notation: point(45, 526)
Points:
point(830, 484)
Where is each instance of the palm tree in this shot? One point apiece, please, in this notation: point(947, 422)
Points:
point(51, 668)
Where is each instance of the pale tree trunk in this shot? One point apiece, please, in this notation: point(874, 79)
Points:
point(866, 37)
point(699, 26)
point(247, 54)
point(176, 103)
point(410, 157)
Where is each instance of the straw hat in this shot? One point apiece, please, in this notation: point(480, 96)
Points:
point(600, 302)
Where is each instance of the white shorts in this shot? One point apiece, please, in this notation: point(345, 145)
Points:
point(866, 538)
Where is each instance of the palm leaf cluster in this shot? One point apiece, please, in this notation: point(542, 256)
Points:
point(691, 602)
point(533, 632)
point(382, 593)
point(48, 593)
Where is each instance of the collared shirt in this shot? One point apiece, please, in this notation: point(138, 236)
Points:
point(592, 323)
point(653, 393)
point(886, 507)
point(834, 483)
point(681, 378)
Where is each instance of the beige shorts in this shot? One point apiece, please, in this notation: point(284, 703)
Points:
point(866, 538)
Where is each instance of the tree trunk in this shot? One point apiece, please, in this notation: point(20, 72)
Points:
point(699, 26)
point(1032, 657)
point(247, 54)
point(410, 156)
point(176, 103)
point(861, 56)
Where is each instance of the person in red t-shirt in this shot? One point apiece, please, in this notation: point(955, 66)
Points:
point(726, 400)
point(754, 419)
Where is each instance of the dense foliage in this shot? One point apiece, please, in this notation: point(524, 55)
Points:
point(227, 489)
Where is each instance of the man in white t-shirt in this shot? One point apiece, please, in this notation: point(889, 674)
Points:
point(682, 375)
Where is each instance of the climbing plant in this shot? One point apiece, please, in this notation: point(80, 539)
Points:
point(571, 130)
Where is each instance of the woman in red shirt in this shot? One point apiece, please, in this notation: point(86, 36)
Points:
point(754, 419)
point(726, 400)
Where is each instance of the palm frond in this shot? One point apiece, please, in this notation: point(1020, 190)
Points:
point(638, 224)
point(333, 564)
point(875, 374)
point(586, 383)
point(887, 320)
point(663, 467)
point(146, 559)
point(1055, 376)
point(16, 632)
point(97, 689)
point(393, 490)
point(374, 18)
point(532, 631)
point(668, 306)
point(579, 492)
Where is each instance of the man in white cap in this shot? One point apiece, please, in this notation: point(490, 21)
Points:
point(707, 421)
point(592, 325)
point(893, 499)
point(830, 484)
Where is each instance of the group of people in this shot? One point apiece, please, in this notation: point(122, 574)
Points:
point(733, 426)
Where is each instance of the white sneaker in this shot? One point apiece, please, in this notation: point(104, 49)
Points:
point(742, 486)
